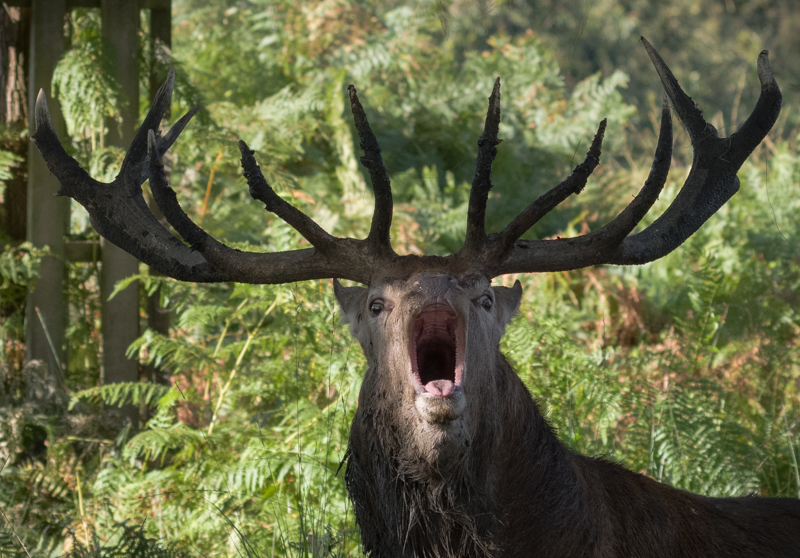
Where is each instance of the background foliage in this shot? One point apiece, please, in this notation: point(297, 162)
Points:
point(686, 369)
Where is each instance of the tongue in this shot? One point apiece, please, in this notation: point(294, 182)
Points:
point(440, 388)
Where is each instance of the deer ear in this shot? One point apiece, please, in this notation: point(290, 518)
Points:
point(351, 301)
point(507, 301)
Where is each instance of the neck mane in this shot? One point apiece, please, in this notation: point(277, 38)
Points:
point(407, 507)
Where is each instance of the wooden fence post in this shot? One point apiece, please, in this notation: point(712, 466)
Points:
point(158, 318)
point(120, 31)
point(48, 216)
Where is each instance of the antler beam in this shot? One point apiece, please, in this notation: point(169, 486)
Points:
point(118, 211)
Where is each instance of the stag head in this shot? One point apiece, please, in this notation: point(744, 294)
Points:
point(432, 344)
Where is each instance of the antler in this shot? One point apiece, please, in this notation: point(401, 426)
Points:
point(119, 213)
point(711, 182)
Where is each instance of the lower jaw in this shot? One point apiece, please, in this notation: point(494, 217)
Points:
point(440, 410)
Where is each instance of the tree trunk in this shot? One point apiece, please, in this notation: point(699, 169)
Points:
point(14, 48)
point(15, 26)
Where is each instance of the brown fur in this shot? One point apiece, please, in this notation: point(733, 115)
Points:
point(496, 481)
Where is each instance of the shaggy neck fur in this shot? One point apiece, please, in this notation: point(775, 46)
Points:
point(517, 491)
point(407, 506)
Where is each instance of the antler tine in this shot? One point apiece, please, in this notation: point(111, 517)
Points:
point(574, 184)
point(482, 181)
point(73, 178)
point(168, 202)
point(137, 153)
point(764, 115)
point(379, 232)
point(344, 261)
point(685, 107)
point(262, 191)
point(711, 182)
point(624, 223)
point(135, 166)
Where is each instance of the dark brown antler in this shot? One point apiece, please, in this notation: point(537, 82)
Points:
point(474, 245)
point(382, 215)
point(119, 213)
point(711, 182)
point(118, 210)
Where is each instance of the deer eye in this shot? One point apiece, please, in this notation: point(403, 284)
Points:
point(376, 307)
point(486, 302)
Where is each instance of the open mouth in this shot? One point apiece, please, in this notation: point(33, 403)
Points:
point(437, 351)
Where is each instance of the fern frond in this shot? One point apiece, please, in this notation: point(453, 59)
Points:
point(122, 393)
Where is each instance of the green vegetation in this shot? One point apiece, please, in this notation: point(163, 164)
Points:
point(687, 369)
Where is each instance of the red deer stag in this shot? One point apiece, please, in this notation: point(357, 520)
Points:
point(448, 454)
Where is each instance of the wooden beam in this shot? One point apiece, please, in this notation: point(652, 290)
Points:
point(72, 4)
point(76, 251)
point(85, 251)
point(160, 35)
point(48, 216)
